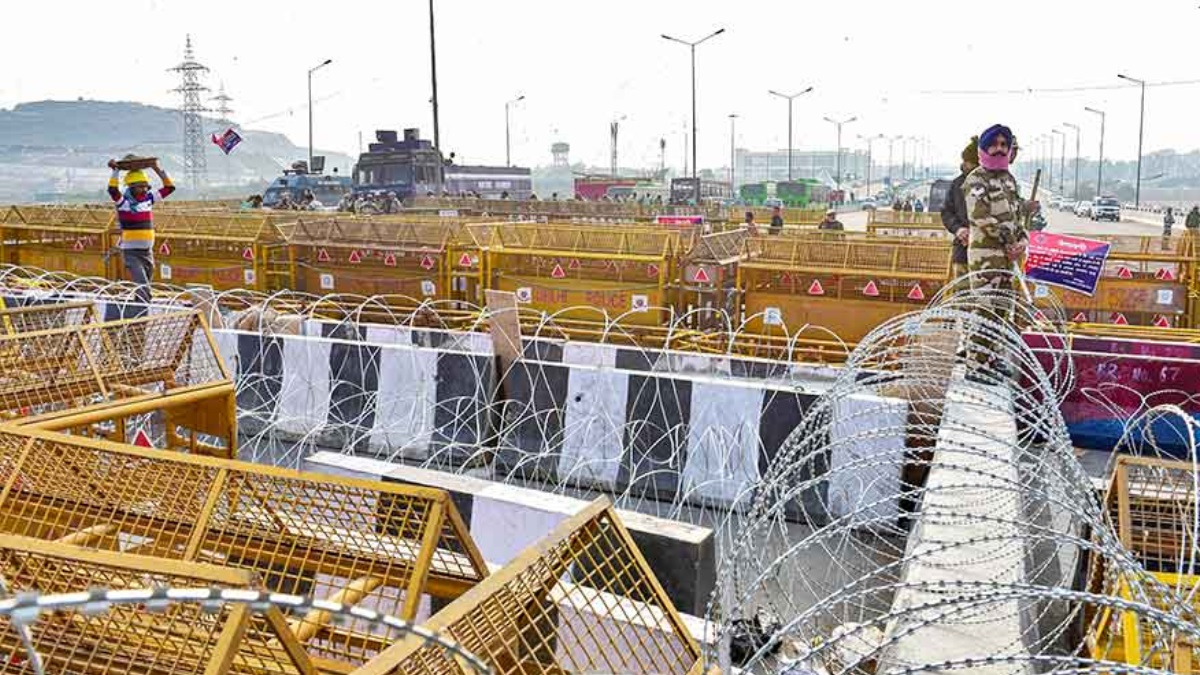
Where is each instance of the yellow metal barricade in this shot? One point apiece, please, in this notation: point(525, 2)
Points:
point(1150, 504)
point(582, 600)
point(184, 638)
point(222, 250)
point(384, 545)
point(848, 283)
point(889, 217)
point(1147, 281)
point(582, 273)
point(59, 238)
point(371, 256)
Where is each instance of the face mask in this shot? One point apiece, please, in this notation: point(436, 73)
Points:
point(993, 162)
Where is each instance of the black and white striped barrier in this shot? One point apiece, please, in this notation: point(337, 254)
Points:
point(647, 426)
point(505, 519)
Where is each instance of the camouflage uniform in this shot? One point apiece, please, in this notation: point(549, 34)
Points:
point(994, 209)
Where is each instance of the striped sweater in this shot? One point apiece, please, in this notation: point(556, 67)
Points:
point(136, 215)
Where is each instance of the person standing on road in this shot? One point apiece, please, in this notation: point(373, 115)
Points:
point(954, 211)
point(831, 223)
point(1192, 223)
point(998, 239)
point(776, 220)
point(1168, 222)
point(750, 225)
point(135, 207)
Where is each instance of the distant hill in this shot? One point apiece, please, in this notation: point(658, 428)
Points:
point(60, 147)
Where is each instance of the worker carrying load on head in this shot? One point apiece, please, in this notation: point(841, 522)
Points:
point(998, 239)
point(135, 206)
point(954, 210)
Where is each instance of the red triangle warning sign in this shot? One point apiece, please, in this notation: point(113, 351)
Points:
point(323, 256)
point(574, 264)
point(464, 260)
point(247, 253)
point(815, 288)
point(1162, 322)
point(1080, 317)
point(651, 270)
point(1124, 273)
point(142, 439)
point(390, 260)
point(1121, 320)
point(78, 244)
point(427, 262)
point(785, 278)
point(558, 272)
point(164, 249)
point(701, 276)
point(871, 290)
point(915, 293)
point(355, 257)
point(1164, 274)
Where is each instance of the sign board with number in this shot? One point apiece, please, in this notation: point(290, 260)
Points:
point(164, 272)
point(327, 282)
point(773, 316)
point(249, 277)
point(639, 303)
point(524, 295)
point(1074, 263)
point(428, 288)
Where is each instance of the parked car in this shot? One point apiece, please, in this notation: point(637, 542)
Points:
point(868, 205)
point(1083, 209)
point(1106, 208)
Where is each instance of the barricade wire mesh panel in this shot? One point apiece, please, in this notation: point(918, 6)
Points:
point(127, 638)
point(46, 317)
point(373, 544)
point(581, 600)
point(79, 364)
point(1151, 506)
point(61, 487)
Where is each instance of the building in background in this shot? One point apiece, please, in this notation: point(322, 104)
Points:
point(754, 166)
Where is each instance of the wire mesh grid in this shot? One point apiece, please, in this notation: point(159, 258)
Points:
point(581, 600)
point(128, 638)
point(46, 317)
point(77, 364)
point(377, 545)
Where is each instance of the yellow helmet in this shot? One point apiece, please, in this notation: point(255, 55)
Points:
point(136, 176)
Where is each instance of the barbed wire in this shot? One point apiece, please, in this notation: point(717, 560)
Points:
point(25, 608)
point(972, 526)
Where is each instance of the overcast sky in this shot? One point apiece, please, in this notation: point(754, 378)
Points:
point(583, 64)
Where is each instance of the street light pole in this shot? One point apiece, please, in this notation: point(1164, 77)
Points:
point(692, 46)
point(310, 109)
point(891, 141)
point(507, 135)
point(1062, 160)
point(870, 142)
point(732, 134)
point(1100, 164)
point(1137, 198)
point(789, 98)
point(1075, 128)
point(838, 124)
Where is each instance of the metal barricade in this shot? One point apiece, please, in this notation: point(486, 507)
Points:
point(74, 238)
point(845, 282)
point(582, 600)
point(216, 249)
point(582, 273)
point(369, 256)
point(1150, 504)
